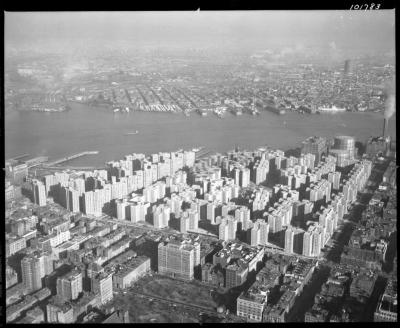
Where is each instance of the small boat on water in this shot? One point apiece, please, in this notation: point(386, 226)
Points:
point(131, 133)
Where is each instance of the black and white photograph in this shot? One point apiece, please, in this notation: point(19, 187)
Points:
point(200, 166)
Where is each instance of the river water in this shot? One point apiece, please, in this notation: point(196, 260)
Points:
point(87, 128)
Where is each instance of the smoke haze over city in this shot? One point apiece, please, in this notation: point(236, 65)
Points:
point(336, 31)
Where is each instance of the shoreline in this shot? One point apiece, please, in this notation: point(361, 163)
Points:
point(85, 127)
point(194, 113)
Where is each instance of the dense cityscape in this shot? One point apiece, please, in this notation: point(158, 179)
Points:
point(181, 82)
point(197, 235)
point(81, 239)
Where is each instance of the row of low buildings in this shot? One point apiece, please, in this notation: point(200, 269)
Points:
point(386, 310)
point(272, 296)
point(344, 296)
point(57, 267)
point(371, 240)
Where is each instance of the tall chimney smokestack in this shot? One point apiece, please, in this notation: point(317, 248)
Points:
point(385, 124)
point(347, 67)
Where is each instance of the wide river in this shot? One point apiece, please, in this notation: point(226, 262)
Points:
point(84, 128)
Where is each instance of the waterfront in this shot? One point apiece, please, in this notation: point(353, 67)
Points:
point(61, 134)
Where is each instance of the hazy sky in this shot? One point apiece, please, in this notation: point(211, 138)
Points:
point(341, 29)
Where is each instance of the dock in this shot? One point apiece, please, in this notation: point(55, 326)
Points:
point(203, 153)
point(72, 168)
point(69, 158)
point(18, 157)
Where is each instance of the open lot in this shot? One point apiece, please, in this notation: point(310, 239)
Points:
point(144, 310)
point(156, 298)
point(180, 291)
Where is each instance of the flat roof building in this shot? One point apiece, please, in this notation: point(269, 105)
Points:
point(130, 271)
point(251, 304)
point(386, 310)
point(177, 259)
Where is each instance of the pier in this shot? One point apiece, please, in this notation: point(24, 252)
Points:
point(203, 153)
point(18, 157)
point(69, 158)
point(72, 168)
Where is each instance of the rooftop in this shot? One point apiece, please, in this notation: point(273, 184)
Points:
point(72, 275)
point(239, 251)
point(256, 293)
point(129, 266)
